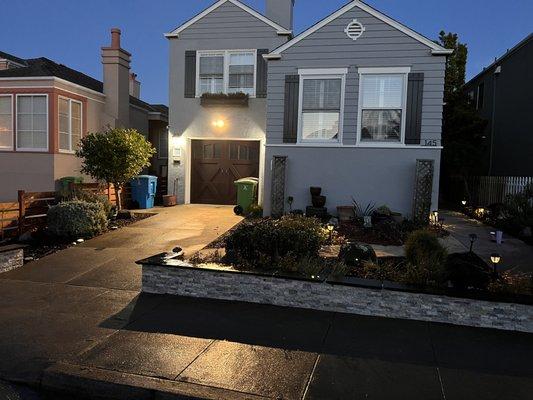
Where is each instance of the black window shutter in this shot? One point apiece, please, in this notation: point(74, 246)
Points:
point(290, 121)
point(415, 92)
point(190, 73)
point(262, 74)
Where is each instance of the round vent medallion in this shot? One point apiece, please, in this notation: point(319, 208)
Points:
point(354, 30)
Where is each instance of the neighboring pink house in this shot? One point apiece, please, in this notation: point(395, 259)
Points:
point(46, 108)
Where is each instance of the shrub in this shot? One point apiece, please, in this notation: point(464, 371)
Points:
point(425, 257)
point(467, 270)
point(255, 211)
point(89, 197)
point(512, 283)
point(263, 243)
point(74, 219)
point(383, 270)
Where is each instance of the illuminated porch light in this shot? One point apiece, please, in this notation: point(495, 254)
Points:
point(178, 140)
point(219, 123)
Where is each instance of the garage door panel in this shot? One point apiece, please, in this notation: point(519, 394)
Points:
point(217, 164)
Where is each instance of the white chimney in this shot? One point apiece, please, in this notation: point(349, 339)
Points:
point(135, 86)
point(116, 63)
point(281, 12)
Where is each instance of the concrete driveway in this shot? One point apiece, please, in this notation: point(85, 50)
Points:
point(53, 308)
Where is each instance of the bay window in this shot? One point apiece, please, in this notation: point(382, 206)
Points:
point(230, 71)
point(6, 122)
point(321, 106)
point(70, 124)
point(382, 103)
point(32, 122)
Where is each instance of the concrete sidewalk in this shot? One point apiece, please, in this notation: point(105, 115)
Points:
point(516, 255)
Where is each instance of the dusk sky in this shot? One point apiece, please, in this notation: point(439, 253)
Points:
point(72, 32)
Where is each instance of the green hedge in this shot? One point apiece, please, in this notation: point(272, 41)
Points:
point(77, 219)
point(267, 243)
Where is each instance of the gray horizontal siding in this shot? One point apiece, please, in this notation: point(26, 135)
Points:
point(380, 46)
point(226, 22)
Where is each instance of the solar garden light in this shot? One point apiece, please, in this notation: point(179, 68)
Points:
point(330, 229)
point(463, 203)
point(473, 238)
point(495, 258)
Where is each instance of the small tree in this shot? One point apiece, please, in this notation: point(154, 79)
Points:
point(115, 156)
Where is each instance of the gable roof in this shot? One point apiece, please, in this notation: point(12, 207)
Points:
point(435, 48)
point(280, 30)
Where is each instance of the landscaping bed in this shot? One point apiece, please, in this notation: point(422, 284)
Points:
point(41, 243)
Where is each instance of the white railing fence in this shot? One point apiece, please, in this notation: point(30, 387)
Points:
point(486, 190)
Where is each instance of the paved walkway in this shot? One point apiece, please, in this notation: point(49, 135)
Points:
point(76, 321)
point(516, 255)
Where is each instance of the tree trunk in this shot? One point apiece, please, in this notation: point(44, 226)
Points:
point(118, 195)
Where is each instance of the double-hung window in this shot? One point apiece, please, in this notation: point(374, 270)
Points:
point(6, 122)
point(32, 122)
point(321, 105)
point(211, 73)
point(230, 71)
point(70, 124)
point(382, 104)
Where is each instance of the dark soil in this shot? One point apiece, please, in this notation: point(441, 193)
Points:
point(383, 233)
point(43, 244)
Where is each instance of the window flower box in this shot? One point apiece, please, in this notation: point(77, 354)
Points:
point(224, 100)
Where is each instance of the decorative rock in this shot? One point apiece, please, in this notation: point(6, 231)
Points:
point(355, 254)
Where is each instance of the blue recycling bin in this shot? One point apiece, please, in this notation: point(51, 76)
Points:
point(143, 190)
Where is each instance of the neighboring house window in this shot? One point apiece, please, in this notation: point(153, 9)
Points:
point(471, 96)
point(321, 105)
point(226, 72)
point(32, 122)
point(162, 151)
point(480, 96)
point(382, 99)
point(70, 124)
point(6, 122)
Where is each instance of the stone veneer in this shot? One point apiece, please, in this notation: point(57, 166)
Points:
point(11, 257)
point(179, 278)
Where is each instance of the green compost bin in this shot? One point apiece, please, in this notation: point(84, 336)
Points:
point(64, 183)
point(246, 194)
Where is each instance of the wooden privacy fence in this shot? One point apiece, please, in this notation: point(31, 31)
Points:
point(29, 211)
point(486, 190)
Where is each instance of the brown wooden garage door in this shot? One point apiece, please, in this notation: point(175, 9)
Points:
point(216, 164)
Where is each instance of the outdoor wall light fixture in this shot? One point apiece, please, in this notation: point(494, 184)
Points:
point(473, 238)
point(219, 123)
point(495, 258)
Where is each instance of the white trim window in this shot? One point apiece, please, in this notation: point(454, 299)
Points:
point(32, 122)
point(70, 124)
point(226, 71)
point(321, 106)
point(382, 105)
point(6, 122)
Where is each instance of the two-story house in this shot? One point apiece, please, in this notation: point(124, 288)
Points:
point(502, 95)
point(46, 108)
point(350, 104)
